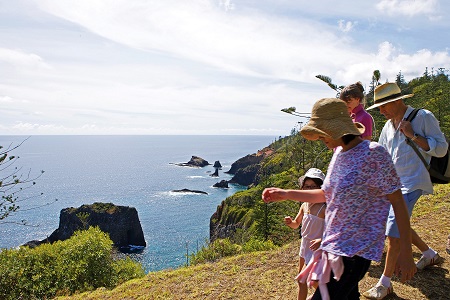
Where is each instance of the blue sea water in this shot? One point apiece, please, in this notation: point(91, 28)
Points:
point(135, 171)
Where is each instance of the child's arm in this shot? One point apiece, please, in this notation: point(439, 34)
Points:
point(294, 224)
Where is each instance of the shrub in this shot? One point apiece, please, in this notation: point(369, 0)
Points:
point(258, 245)
point(83, 262)
point(215, 250)
point(224, 247)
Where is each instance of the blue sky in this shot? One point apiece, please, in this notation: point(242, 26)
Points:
point(200, 66)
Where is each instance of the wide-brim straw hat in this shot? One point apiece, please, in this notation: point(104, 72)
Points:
point(330, 118)
point(385, 93)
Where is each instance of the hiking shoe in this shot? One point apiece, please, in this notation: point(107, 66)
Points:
point(426, 262)
point(378, 292)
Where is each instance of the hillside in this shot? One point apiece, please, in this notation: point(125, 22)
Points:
point(269, 275)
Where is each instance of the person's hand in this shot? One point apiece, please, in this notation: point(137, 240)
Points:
point(287, 220)
point(314, 284)
point(406, 128)
point(405, 267)
point(315, 244)
point(273, 194)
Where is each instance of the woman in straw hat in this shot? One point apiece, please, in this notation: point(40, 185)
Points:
point(360, 185)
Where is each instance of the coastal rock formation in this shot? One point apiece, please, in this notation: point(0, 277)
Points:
point(189, 191)
point(217, 165)
point(246, 169)
point(120, 222)
point(219, 229)
point(221, 184)
point(241, 163)
point(195, 161)
point(232, 213)
point(246, 176)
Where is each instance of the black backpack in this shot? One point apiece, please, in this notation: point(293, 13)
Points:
point(439, 167)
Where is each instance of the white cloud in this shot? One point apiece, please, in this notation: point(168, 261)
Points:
point(346, 26)
point(5, 99)
point(205, 67)
point(227, 4)
point(21, 59)
point(409, 8)
point(256, 45)
point(390, 61)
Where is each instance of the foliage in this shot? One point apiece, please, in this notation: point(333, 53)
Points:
point(214, 251)
point(329, 82)
point(13, 182)
point(225, 247)
point(264, 225)
point(255, 244)
point(431, 91)
point(83, 262)
point(98, 207)
point(293, 155)
point(102, 207)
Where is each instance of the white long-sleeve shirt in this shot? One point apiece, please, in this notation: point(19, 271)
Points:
point(410, 168)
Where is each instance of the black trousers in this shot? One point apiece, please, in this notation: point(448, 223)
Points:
point(347, 287)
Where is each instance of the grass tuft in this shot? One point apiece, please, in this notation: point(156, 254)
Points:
point(269, 274)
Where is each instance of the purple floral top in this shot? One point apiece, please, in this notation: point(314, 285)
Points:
point(356, 188)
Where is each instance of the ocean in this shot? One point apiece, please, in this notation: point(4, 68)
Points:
point(135, 171)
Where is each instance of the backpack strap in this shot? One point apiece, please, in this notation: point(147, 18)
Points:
point(409, 118)
point(412, 115)
point(413, 145)
point(433, 172)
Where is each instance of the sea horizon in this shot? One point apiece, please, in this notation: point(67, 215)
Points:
point(130, 170)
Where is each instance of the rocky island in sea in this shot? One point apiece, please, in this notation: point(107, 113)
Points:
point(195, 161)
point(120, 222)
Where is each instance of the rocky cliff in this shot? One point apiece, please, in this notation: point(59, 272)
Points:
point(246, 169)
point(234, 212)
point(120, 222)
point(219, 229)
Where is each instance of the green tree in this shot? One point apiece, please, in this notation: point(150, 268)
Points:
point(433, 93)
point(292, 156)
point(329, 82)
point(83, 262)
point(14, 181)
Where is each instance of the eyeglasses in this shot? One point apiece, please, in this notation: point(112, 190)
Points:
point(310, 187)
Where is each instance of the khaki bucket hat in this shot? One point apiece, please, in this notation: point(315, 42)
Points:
point(329, 117)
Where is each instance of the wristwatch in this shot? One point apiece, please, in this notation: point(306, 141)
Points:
point(415, 137)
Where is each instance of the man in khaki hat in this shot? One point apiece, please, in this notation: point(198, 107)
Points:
point(424, 131)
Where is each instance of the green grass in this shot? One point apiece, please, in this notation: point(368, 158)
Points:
point(269, 274)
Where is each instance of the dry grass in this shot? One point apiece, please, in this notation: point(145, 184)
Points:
point(269, 275)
